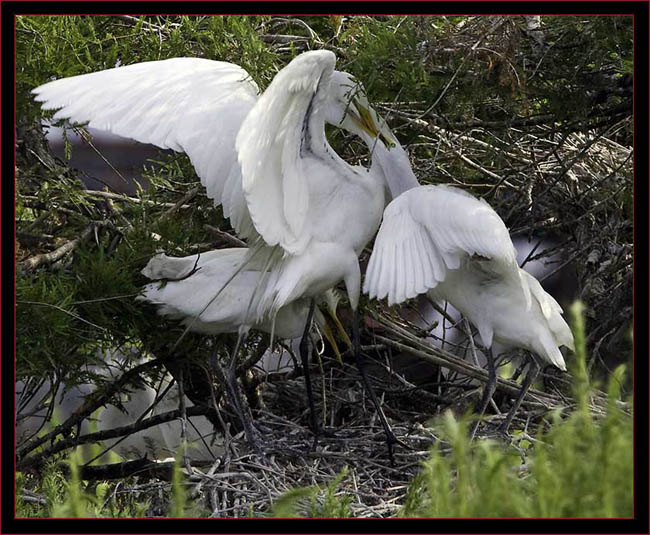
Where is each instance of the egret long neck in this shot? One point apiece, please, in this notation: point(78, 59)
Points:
point(394, 165)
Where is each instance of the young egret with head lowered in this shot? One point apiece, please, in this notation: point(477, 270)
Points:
point(306, 213)
point(455, 247)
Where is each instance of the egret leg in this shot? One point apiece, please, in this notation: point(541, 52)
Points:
point(531, 375)
point(230, 379)
point(518, 371)
point(391, 439)
point(304, 356)
point(488, 392)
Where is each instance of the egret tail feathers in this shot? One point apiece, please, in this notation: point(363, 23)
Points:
point(247, 260)
point(525, 287)
point(551, 310)
point(553, 353)
point(260, 306)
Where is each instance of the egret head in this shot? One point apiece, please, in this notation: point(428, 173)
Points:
point(348, 108)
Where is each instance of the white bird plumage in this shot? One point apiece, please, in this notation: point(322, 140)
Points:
point(152, 399)
point(500, 312)
point(306, 213)
point(302, 197)
point(455, 247)
point(446, 242)
point(185, 296)
point(265, 158)
point(190, 105)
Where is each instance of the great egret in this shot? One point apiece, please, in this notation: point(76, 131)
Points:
point(181, 294)
point(304, 210)
point(446, 242)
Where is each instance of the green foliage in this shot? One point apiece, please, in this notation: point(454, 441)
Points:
point(66, 496)
point(181, 506)
point(59, 46)
point(50, 486)
point(388, 53)
point(91, 306)
point(405, 58)
point(179, 497)
point(290, 503)
point(559, 478)
point(76, 504)
point(69, 312)
point(394, 41)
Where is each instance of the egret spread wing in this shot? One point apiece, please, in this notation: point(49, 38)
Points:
point(428, 230)
point(284, 126)
point(190, 105)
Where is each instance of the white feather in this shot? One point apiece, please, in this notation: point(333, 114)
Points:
point(265, 159)
point(189, 105)
point(269, 146)
point(449, 224)
point(185, 299)
point(444, 240)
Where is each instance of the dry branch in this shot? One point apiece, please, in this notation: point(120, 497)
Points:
point(91, 403)
point(134, 200)
point(226, 237)
point(181, 202)
point(39, 458)
point(31, 263)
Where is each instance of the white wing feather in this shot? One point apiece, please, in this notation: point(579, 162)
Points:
point(189, 105)
point(431, 228)
point(270, 144)
point(552, 312)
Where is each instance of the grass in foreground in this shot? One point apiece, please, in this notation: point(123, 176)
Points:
point(581, 465)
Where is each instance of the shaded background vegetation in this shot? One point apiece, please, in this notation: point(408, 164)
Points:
point(534, 114)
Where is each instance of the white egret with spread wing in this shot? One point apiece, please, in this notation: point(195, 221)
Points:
point(181, 294)
point(305, 212)
point(455, 247)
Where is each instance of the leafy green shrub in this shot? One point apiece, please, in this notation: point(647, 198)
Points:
point(579, 467)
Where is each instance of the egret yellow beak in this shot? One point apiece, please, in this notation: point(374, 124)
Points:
point(331, 319)
point(366, 120)
point(329, 336)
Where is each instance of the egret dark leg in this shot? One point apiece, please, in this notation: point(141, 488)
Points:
point(304, 356)
point(391, 439)
point(488, 392)
point(518, 371)
point(531, 375)
point(230, 380)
